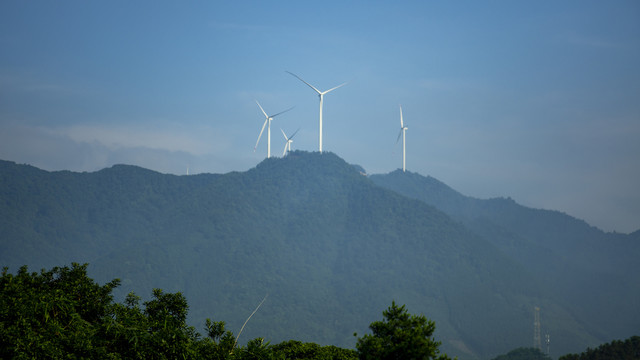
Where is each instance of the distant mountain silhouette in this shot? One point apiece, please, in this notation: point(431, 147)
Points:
point(330, 246)
point(591, 272)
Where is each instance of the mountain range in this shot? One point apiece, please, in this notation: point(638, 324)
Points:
point(330, 247)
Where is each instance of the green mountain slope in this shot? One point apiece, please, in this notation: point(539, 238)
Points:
point(328, 246)
point(591, 272)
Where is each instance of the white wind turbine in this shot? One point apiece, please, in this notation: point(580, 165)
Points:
point(321, 96)
point(287, 145)
point(403, 129)
point(267, 120)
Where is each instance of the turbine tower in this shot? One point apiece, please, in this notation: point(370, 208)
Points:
point(403, 129)
point(321, 96)
point(267, 121)
point(287, 145)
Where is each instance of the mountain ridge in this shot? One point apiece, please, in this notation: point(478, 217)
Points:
point(568, 254)
point(330, 247)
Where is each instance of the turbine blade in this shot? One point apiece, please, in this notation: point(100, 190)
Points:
point(265, 114)
point(294, 134)
point(281, 112)
point(311, 86)
point(401, 123)
point(263, 126)
point(399, 134)
point(285, 135)
point(341, 85)
point(285, 148)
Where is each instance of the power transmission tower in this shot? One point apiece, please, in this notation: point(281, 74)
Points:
point(537, 341)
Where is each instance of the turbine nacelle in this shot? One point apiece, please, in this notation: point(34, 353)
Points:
point(320, 96)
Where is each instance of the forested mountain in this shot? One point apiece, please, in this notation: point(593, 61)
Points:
point(593, 273)
point(329, 247)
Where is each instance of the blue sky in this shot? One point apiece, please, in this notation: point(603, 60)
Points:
point(536, 100)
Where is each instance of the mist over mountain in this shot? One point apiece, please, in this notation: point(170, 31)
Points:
point(331, 248)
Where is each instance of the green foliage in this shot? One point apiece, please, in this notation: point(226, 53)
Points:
point(524, 354)
point(298, 350)
point(628, 349)
point(53, 313)
point(400, 336)
point(63, 313)
point(221, 341)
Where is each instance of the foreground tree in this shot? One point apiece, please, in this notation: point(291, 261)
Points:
point(63, 313)
point(524, 354)
point(293, 349)
point(400, 336)
point(53, 314)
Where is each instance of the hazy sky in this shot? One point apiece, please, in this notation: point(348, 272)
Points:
point(536, 100)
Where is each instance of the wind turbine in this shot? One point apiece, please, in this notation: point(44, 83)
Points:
point(267, 120)
point(321, 96)
point(289, 141)
point(403, 129)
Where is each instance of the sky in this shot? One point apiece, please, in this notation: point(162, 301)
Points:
point(534, 100)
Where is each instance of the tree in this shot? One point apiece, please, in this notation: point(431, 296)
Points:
point(293, 349)
point(523, 354)
point(53, 313)
point(400, 336)
point(63, 313)
point(628, 349)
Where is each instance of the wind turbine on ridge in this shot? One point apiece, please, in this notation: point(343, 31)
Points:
point(403, 129)
point(267, 121)
point(287, 145)
point(321, 96)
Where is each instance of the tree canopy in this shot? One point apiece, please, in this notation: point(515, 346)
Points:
point(524, 354)
point(628, 349)
point(400, 336)
point(63, 313)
